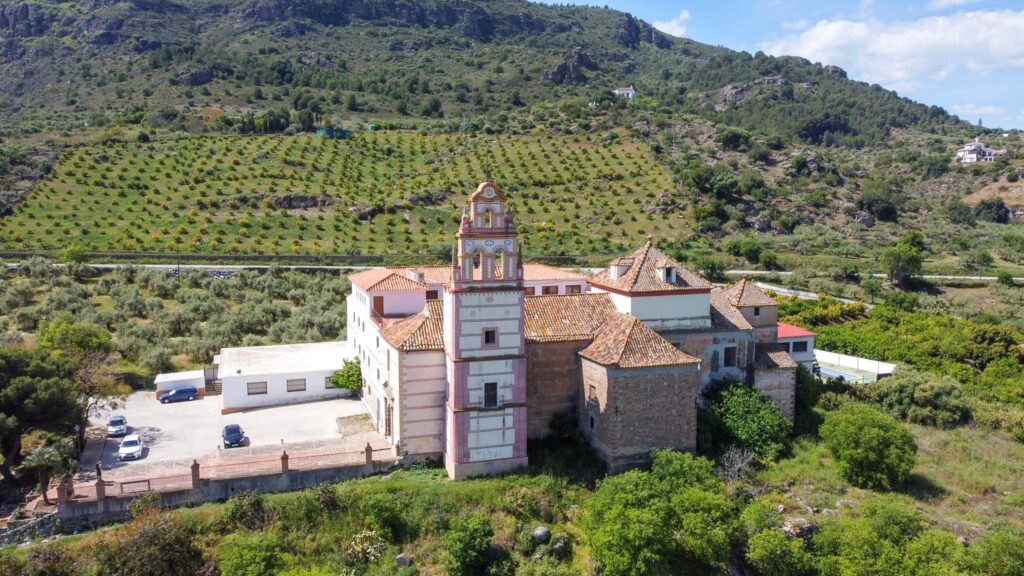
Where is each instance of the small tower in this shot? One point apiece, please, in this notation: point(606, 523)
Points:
point(485, 411)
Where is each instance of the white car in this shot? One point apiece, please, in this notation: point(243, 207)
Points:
point(117, 426)
point(131, 448)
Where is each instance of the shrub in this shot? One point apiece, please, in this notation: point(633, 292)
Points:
point(1000, 553)
point(934, 552)
point(758, 516)
point(771, 553)
point(153, 545)
point(248, 510)
point(249, 555)
point(366, 546)
point(920, 398)
point(12, 564)
point(143, 505)
point(467, 546)
point(808, 393)
point(992, 210)
point(627, 518)
point(349, 377)
point(50, 560)
point(383, 515)
point(743, 417)
point(872, 450)
point(546, 567)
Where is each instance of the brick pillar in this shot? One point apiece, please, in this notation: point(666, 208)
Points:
point(101, 489)
point(369, 453)
point(195, 474)
point(284, 462)
point(64, 489)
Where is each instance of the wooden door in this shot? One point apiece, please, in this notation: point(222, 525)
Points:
point(378, 305)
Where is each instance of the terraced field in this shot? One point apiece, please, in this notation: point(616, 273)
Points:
point(382, 193)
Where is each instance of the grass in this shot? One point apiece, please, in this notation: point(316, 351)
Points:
point(967, 480)
point(224, 194)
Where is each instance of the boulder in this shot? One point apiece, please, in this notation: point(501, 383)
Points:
point(865, 219)
point(541, 535)
point(196, 77)
point(560, 546)
point(403, 560)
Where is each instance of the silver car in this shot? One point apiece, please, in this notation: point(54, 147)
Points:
point(131, 448)
point(117, 426)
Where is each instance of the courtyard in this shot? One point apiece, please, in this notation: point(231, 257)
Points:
point(176, 434)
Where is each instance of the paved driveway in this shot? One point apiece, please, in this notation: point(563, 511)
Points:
point(176, 434)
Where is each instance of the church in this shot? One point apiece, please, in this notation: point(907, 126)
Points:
point(467, 362)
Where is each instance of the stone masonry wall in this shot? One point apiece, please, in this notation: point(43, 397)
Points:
point(636, 410)
point(779, 385)
point(552, 383)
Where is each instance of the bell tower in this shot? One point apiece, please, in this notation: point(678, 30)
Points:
point(485, 410)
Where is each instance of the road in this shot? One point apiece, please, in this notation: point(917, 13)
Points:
point(112, 265)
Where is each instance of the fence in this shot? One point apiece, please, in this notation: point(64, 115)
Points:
point(68, 491)
point(873, 367)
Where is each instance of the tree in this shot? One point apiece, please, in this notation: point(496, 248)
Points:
point(771, 553)
point(90, 348)
point(959, 212)
point(741, 416)
point(36, 393)
point(467, 546)
point(350, 377)
point(872, 288)
point(47, 461)
point(156, 544)
point(992, 210)
point(872, 450)
point(920, 398)
point(74, 254)
point(902, 262)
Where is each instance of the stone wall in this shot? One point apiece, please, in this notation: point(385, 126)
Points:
point(629, 412)
point(552, 383)
point(780, 385)
point(766, 323)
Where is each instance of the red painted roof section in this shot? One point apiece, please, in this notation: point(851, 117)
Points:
point(790, 331)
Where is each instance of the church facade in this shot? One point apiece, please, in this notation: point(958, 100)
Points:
point(467, 362)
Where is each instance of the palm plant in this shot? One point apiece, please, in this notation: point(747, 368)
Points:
point(48, 461)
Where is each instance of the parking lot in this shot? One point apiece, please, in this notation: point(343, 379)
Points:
point(176, 434)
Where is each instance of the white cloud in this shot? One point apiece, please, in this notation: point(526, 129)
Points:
point(796, 24)
point(899, 55)
point(675, 26)
point(976, 110)
point(943, 4)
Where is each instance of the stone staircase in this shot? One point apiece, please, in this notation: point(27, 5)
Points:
point(214, 388)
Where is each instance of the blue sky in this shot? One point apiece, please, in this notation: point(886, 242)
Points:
point(964, 55)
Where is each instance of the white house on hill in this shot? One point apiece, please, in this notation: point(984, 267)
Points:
point(629, 93)
point(977, 152)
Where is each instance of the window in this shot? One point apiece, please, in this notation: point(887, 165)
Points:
point(573, 289)
point(729, 355)
point(800, 346)
point(431, 294)
point(297, 385)
point(550, 290)
point(490, 394)
point(490, 336)
point(256, 388)
point(328, 384)
point(757, 311)
point(530, 291)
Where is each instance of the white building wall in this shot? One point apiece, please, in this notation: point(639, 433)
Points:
point(493, 310)
point(806, 357)
point(492, 435)
point(561, 285)
point(667, 312)
point(422, 387)
point(236, 396)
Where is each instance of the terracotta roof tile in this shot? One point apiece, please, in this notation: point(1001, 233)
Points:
point(420, 332)
point(745, 293)
point(771, 358)
point(627, 342)
point(384, 280)
point(536, 272)
point(725, 316)
point(566, 318)
point(641, 274)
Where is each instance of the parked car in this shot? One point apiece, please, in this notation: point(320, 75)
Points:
point(117, 426)
point(180, 395)
point(233, 435)
point(131, 448)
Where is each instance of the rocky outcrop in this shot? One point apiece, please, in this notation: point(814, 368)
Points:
point(572, 70)
point(27, 20)
point(835, 71)
point(631, 32)
point(196, 77)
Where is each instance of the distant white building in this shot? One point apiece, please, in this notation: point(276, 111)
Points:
point(273, 375)
point(628, 92)
point(977, 152)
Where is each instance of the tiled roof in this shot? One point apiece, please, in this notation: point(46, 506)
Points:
point(790, 331)
point(384, 280)
point(432, 275)
point(566, 318)
point(539, 272)
point(420, 332)
point(745, 293)
point(641, 274)
point(773, 359)
point(725, 316)
point(627, 342)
